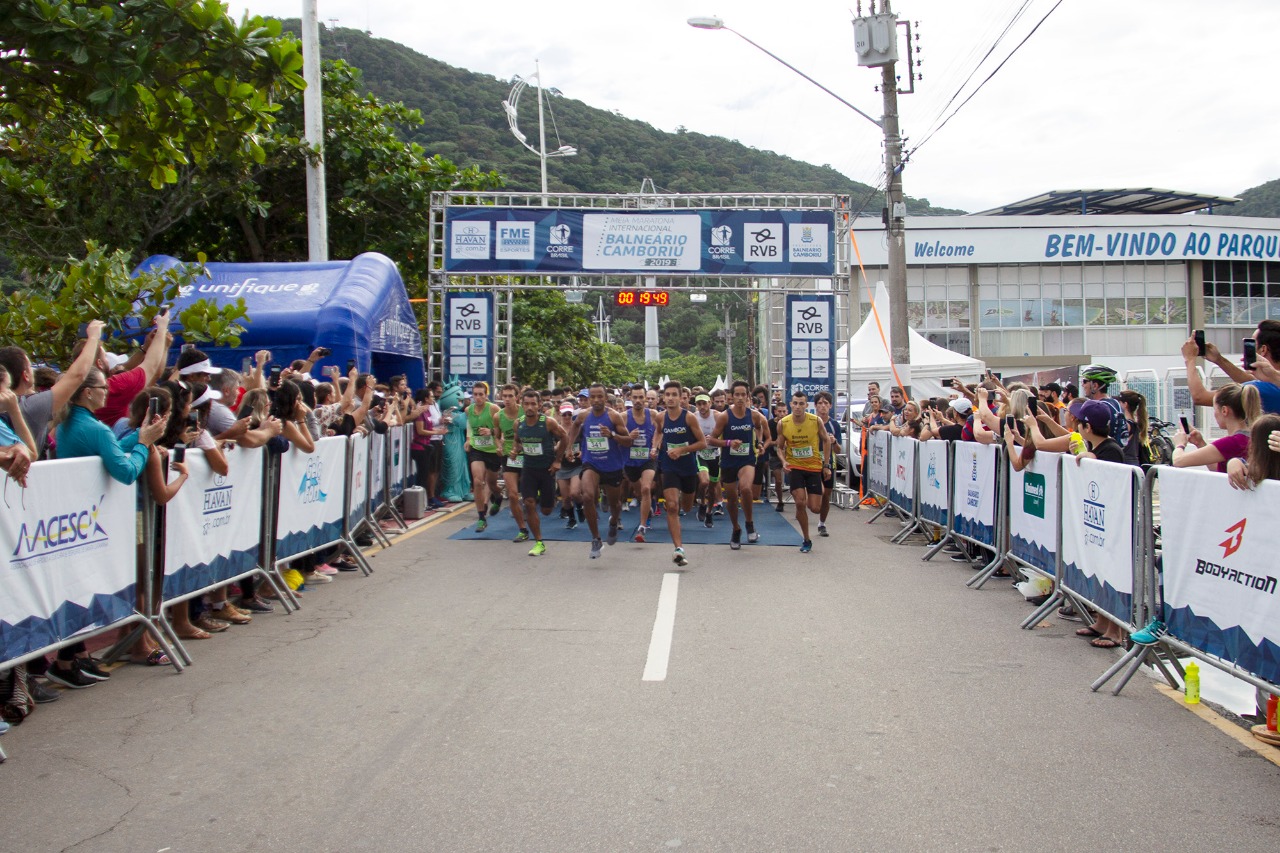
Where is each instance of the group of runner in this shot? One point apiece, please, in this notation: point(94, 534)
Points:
point(678, 445)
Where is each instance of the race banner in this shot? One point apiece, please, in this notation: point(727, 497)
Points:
point(935, 489)
point(214, 522)
point(68, 555)
point(878, 463)
point(1220, 548)
point(358, 493)
point(811, 345)
point(312, 497)
point(973, 497)
point(377, 469)
point(1033, 511)
point(1097, 533)
point(902, 474)
point(399, 454)
point(712, 242)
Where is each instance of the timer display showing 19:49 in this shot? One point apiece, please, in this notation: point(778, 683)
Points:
point(643, 298)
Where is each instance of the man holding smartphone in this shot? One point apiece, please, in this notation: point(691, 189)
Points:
point(1262, 372)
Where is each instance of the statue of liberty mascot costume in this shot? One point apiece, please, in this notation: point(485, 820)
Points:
point(455, 474)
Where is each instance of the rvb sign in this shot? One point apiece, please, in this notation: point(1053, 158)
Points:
point(469, 337)
point(811, 344)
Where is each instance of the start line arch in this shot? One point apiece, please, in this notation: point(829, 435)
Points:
point(778, 248)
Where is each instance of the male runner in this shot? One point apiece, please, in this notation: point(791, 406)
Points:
point(640, 467)
point(802, 444)
point(604, 455)
point(483, 435)
point(708, 461)
point(677, 440)
point(823, 403)
point(569, 477)
point(534, 434)
point(737, 433)
point(512, 462)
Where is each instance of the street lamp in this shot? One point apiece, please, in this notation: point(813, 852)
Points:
point(899, 341)
point(511, 107)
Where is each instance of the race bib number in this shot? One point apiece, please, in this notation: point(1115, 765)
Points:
point(640, 451)
point(802, 453)
point(598, 444)
point(483, 442)
point(677, 446)
point(532, 450)
point(743, 449)
point(518, 462)
point(708, 453)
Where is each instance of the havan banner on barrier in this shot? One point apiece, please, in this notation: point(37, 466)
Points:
point(1033, 511)
point(312, 497)
point(973, 498)
point(878, 463)
point(68, 555)
point(935, 481)
point(358, 494)
point(1220, 568)
point(214, 523)
point(1097, 533)
point(902, 473)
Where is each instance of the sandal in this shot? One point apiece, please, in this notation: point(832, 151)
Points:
point(1104, 643)
point(158, 658)
point(1087, 632)
point(197, 634)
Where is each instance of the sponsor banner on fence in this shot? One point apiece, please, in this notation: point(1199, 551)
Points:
point(934, 481)
point(399, 455)
point(214, 522)
point(973, 498)
point(358, 494)
point(312, 497)
point(714, 242)
point(902, 472)
point(1220, 570)
point(878, 463)
point(377, 469)
point(1033, 511)
point(68, 555)
point(1097, 533)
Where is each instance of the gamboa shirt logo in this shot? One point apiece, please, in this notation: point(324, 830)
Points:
point(309, 489)
point(1232, 544)
point(76, 531)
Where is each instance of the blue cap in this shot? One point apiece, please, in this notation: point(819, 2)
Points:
point(584, 393)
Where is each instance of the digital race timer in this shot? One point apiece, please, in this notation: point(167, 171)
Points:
point(645, 298)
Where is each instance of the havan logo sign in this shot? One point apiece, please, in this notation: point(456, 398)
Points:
point(77, 530)
point(216, 506)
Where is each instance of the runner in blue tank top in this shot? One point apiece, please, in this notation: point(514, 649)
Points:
point(737, 433)
point(676, 444)
point(605, 440)
point(640, 466)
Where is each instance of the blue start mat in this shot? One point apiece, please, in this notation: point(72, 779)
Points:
point(774, 528)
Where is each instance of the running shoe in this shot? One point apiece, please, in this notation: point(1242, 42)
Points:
point(1150, 635)
point(612, 537)
point(822, 530)
point(752, 536)
point(708, 522)
point(572, 521)
point(719, 510)
point(582, 513)
point(702, 512)
point(678, 558)
point(522, 536)
point(779, 506)
point(806, 546)
point(735, 540)
point(596, 547)
point(481, 525)
point(538, 549)
point(639, 537)
point(495, 505)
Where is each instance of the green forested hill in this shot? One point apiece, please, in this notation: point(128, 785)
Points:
point(1262, 200)
point(464, 122)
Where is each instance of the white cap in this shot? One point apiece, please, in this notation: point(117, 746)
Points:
point(962, 405)
point(208, 395)
point(113, 360)
point(205, 366)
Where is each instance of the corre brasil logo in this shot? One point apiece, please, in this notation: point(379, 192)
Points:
point(309, 488)
point(60, 534)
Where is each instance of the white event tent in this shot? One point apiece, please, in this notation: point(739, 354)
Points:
point(866, 359)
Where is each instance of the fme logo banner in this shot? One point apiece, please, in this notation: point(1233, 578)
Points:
point(469, 240)
point(515, 241)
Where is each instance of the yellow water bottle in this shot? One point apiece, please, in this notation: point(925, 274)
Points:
point(1193, 684)
point(1076, 444)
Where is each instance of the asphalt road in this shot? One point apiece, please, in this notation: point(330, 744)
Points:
point(468, 697)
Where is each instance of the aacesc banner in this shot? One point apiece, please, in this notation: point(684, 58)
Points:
point(711, 242)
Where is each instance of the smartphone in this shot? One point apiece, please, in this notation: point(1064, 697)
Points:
point(1250, 353)
point(1199, 336)
point(351, 365)
point(186, 347)
point(193, 420)
point(325, 352)
point(275, 374)
point(153, 409)
point(1010, 423)
point(1033, 406)
point(1186, 428)
point(179, 453)
point(246, 364)
point(999, 377)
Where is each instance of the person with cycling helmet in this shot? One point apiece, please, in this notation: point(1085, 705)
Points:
point(1096, 379)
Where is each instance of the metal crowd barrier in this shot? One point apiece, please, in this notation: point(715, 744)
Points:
point(904, 485)
point(976, 512)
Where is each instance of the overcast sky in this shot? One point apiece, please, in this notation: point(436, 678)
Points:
point(1172, 94)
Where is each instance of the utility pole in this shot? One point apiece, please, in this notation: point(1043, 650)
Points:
point(313, 126)
point(899, 338)
point(727, 333)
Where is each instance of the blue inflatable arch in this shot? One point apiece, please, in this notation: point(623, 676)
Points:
point(357, 308)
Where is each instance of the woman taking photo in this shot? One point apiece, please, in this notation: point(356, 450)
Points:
point(1235, 408)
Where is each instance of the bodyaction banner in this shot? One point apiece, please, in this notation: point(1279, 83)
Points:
point(1220, 549)
point(1033, 511)
point(312, 498)
point(358, 494)
point(934, 481)
point(1097, 533)
point(973, 498)
point(902, 475)
point(377, 469)
point(713, 242)
point(68, 555)
point(878, 463)
point(213, 523)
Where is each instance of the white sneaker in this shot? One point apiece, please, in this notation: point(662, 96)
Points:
point(678, 558)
